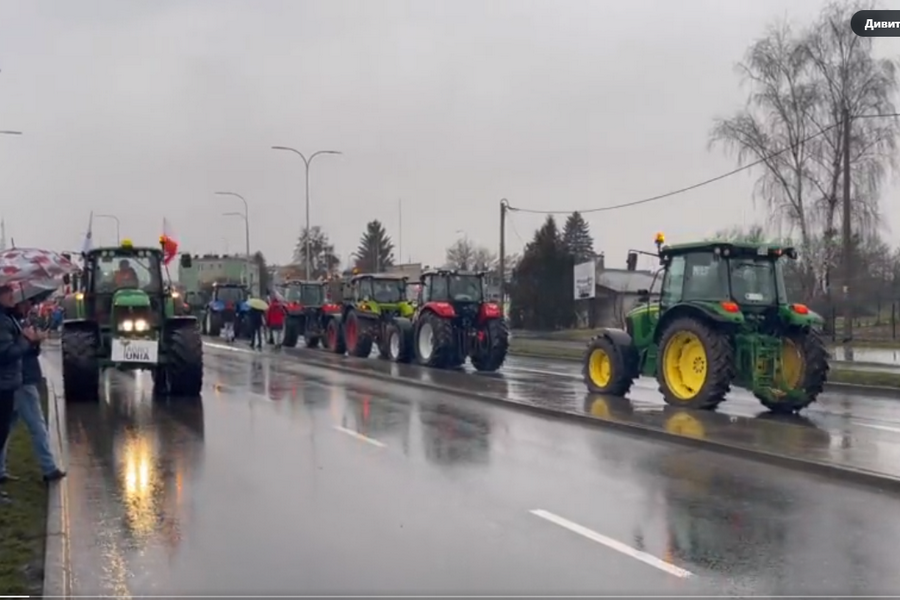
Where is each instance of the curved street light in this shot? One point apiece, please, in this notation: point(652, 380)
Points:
point(246, 217)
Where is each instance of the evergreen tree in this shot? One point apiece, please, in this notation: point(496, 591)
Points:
point(541, 290)
point(263, 268)
point(323, 259)
point(577, 238)
point(376, 250)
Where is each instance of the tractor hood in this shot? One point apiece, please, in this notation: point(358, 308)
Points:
point(131, 299)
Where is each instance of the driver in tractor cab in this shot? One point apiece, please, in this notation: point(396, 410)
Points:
point(126, 276)
point(384, 291)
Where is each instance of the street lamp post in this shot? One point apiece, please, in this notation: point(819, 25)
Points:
point(306, 162)
point(246, 217)
point(118, 226)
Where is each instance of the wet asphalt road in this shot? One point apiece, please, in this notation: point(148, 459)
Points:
point(291, 479)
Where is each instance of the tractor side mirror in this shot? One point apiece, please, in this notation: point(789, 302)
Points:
point(186, 262)
point(643, 295)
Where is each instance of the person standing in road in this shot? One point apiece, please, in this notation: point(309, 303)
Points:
point(28, 408)
point(255, 318)
point(14, 343)
point(275, 321)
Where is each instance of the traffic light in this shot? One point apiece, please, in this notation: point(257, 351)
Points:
point(632, 261)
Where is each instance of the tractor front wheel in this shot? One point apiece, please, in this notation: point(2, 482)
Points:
point(435, 344)
point(696, 364)
point(398, 341)
point(291, 332)
point(605, 369)
point(804, 368)
point(357, 335)
point(182, 375)
point(214, 323)
point(493, 343)
point(80, 367)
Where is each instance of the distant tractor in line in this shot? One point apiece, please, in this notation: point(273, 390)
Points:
point(226, 300)
point(304, 303)
point(452, 322)
point(722, 318)
point(122, 315)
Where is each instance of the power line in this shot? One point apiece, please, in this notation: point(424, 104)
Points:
point(702, 183)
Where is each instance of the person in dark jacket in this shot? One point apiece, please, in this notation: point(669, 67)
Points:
point(255, 318)
point(14, 343)
point(28, 408)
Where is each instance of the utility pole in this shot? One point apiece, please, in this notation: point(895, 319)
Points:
point(400, 229)
point(848, 244)
point(2, 234)
point(504, 206)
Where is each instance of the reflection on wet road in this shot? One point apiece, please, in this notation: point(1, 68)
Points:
point(273, 486)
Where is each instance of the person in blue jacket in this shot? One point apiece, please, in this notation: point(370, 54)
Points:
point(15, 342)
point(28, 408)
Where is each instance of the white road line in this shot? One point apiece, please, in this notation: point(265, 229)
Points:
point(542, 372)
point(232, 348)
point(879, 427)
point(613, 544)
point(360, 436)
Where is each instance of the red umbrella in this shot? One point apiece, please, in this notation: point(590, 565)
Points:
point(28, 264)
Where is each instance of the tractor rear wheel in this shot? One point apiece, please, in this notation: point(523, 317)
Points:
point(435, 344)
point(182, 375)
point(291, 332)
point(335, 337)
point(605, 369)
point(696, 364)
point(357, 335)
point(490, 353)
point(214, 323)
point(80, 367)
point(804, 367)
point(399, 341)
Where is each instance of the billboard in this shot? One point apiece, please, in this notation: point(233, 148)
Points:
point(585, 277)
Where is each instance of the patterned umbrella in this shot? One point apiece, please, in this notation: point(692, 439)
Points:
point(27, 264)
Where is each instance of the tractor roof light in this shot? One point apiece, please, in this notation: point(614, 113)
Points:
point(660, 238)
point(127, 243)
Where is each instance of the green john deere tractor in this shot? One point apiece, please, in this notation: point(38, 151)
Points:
point(722, 318)
point(372, 304)
point(123, 316)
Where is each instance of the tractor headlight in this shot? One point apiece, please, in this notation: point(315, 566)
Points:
point(127, 325)
point(141, 325)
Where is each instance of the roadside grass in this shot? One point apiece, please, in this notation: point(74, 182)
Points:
point(534, 349)
point(23, 523)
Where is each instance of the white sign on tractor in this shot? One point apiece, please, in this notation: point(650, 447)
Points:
point(135, 351)
point(585, 276)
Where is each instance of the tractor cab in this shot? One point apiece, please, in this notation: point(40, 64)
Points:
point(300, 294)
point(228, 296)
point(457, 293)
point(380, 288)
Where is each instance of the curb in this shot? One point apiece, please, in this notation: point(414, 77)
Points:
point(881, 391)
point(857, 475)
point(57, 567)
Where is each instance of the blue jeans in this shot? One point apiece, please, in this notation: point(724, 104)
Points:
point(28, 408)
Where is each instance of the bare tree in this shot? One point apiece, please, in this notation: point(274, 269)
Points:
point(465, 255)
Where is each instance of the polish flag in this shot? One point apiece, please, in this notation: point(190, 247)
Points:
point(168, 243)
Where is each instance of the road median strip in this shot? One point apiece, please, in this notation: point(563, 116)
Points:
point(357, 367)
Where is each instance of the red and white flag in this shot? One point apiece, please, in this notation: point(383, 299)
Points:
point(168, 243)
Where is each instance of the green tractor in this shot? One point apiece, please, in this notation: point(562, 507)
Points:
point(722, 318)
point(371, 304)
point(123, 316)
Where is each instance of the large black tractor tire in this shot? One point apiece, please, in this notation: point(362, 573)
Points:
point(490, 354)
point(182, 375)
point(214, 323)
point(606, 368)
point(695, 366)
point(398, 341)
point(80, 365)
point(291, 332)
point(809, 373)
point(435, 343)
point(202, 320)
point(358, 335)
point(334, 335)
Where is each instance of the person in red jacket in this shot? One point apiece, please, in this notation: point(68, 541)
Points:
point(275, 320)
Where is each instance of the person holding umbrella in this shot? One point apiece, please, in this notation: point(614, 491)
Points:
point(28, 396)
point(256, 312)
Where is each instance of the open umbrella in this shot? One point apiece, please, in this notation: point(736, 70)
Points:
point(258, 304)
point(36, 290)
point(29, 264)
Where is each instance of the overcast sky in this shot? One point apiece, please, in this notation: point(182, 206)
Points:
point(143, 108)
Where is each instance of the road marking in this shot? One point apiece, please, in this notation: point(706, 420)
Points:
point(879, 427)
point(613, 544)
point(232, 348)
point(542, 372)
point(360, 436)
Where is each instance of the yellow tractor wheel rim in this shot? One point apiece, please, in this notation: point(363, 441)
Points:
point(599, 368)
point(792, 364)
point(684, 365)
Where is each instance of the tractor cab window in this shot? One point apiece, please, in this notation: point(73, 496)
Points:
point(136, 271)
point(364, 290)
point(672, 282)
point(389, 291)
point(230, 295)
point(465, 288)
point(308, 295)
point(705, 277)
point(756, 280)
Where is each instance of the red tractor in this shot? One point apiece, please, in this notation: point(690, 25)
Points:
point(309, 310)
point(453, 321)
